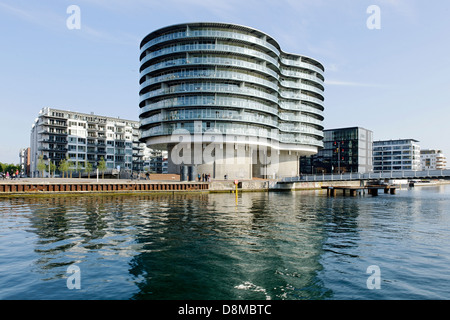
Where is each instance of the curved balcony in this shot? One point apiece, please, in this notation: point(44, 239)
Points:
point(216, 89)
point(237, 80)
point(210, 101)
point(211, 75)
point(208, 34)
point(217, 48)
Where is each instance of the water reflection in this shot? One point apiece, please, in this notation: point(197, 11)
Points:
point(195, 246)
point(251, 251)
point(301, 245)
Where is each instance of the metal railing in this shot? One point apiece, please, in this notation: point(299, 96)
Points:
point(425, 174)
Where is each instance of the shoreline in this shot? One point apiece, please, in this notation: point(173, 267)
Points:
point(40, 187)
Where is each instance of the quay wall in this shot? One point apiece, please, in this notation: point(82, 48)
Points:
point(35, 186)
point(85, 186)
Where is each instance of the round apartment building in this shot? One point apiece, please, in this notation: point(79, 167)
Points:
point(225, 100)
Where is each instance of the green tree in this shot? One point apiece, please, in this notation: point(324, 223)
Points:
point(70, 167)
point(63, 166)
point(41, 166)
point(79, 168)
point(102, 167)
point(52, 168)
point(88, 168)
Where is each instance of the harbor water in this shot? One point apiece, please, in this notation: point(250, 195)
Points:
point(260, 246)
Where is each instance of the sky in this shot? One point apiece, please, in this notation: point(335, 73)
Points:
point(393, 80)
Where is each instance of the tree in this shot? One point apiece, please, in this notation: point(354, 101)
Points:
point(88, 168)
point(79, 168)
point(102, 167)
point(52, 168)
point(70, 167)
point(41, 166)
point(63, 167)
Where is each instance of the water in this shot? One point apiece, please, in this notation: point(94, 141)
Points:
point(268, 246)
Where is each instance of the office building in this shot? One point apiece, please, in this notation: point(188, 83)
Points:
point(396, 155)
point(225, 100)
point(433, 160)
point(345, 150)
point(60, 134)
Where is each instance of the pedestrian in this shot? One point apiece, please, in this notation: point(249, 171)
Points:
point(199, 177)
point(7, 175)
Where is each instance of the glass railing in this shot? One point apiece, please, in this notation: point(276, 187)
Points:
point(300, 107)
point(210, 33)
point(218, 88)
point(297, 85)
point(210, 101)
point(199, 74)
point(293, 63)
point(249, 131)
point(301, 75)
point(180, 48)
point(210, 60)
point(191, 116)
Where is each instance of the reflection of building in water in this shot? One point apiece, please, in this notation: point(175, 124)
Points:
point(264, 247)
point(184, 246)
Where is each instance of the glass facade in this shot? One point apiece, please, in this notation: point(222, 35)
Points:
point(345, 150)
point(228, 74)
point(235, 80)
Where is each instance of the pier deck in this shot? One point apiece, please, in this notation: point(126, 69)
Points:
point(372, 189)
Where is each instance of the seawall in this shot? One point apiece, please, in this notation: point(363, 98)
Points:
point(49, 186)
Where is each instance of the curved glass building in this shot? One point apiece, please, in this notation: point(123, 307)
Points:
point(225, 100)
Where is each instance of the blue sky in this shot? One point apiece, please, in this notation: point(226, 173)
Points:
point(394, 81)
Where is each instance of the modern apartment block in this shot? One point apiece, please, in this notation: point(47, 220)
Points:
point(155, 161)
point(24, 160)
point(60, 134)
point(225, 100)
point(433, 160)
point(396, 155)
point(345, 150)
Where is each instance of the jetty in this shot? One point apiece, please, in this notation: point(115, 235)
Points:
point(353, 190)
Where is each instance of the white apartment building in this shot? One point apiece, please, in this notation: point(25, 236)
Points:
point(433, 160)
point(396, 155)
point(60, 134)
